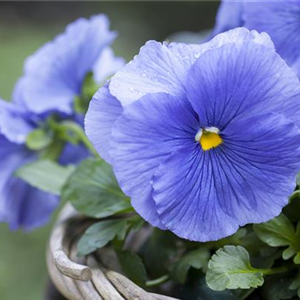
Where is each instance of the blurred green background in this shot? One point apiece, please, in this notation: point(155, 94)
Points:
point(25, 26)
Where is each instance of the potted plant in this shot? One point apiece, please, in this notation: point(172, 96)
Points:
point(179, 178)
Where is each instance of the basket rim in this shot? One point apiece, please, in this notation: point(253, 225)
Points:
point(84, 278)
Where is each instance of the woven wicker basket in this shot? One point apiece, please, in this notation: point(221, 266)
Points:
point(86, 278)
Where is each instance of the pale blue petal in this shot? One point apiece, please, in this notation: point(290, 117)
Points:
point(280, 19)
point(144, 136)
point(155, 69)
point(107, 65)
point(229, 16)
point(164, 67)
point(103, 112)
point(55, 73)
point(21, 206)
point(14, 122)
point(73, 154)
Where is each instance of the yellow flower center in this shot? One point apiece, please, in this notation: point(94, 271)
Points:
point(209, 138)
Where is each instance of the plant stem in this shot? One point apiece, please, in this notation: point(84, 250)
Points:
point(274, 271)
point(75, 128)
point(157, 281)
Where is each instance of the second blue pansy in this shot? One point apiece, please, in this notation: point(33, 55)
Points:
point(54, 75)
point(280, 19)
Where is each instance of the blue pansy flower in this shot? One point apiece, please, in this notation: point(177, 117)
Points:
point(280, 19)
point(20, 204)
point(54, 75)
point(203, 138)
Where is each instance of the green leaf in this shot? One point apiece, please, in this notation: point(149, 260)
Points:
point(298, 179)
point(89, 86)
point(45, 175)
point(136, 223)
point(291, 211)
point(278, 288)
point(158, 251)
point(88, 89)
point(197, 259)
point(235, 239)
point(230, 268)
point(38, 139)
point(53, 151)
point(197, 289)
point(279, 232)
point(133, 267)
point(295, 285)
point(94, 191)
point(100, 234)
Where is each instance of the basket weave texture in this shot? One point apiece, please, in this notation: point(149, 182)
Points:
point(85, 278)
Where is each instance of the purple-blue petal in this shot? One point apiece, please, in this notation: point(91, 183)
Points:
point(163, 68)
point(229, 16)
point(155, 69)
point(185, 197)
point(280, 19)
point(103, 112)
point(239, 80)
point(107, 65)
point(15, 123)
point(73, 154)
point(206, 195)
point(21, 206)
point(147, 132)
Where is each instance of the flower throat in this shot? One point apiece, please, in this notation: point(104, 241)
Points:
point(208, 138)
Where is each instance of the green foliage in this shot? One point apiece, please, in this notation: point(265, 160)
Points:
point(197, 259)
point(133, 267)
point(280, 232)
point(159, 250)
point(197, 289)
point(93, 190)
point(45, 175)
point(278, 288)
point(295, 285)
point(100, 234)
point(230, 268)
point(291, 211)
point(88, 89)
point(234, 239)
point(39, 139)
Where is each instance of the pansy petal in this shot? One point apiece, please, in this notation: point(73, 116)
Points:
point(49, 94)
point(281, 20)
point(73, 154)
point(106, 65)
point(206, 195)
point(20, 204)
point(145, 134)
point(229, 16)
point(155, 69)
point(237, 80)
point(240, 36)
point(54, 74)
point(189, 53)
point(186, 199)
point(162, 67)
point(27, 207)
point(262, 153)
point(14, 123)
point(103, 112)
